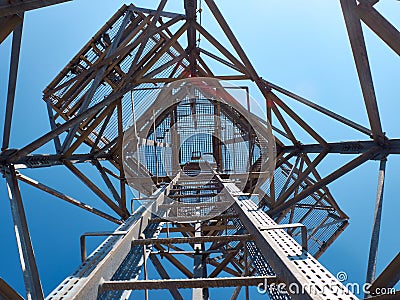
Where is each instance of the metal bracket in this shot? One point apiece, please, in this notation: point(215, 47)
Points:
point(82, 239)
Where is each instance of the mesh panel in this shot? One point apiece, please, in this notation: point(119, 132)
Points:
point(322, 220)
point(67, 92)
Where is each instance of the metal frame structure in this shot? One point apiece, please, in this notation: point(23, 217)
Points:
point(90, 107)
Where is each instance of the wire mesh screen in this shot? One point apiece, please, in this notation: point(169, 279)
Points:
point(79, 79)
point(317, 211)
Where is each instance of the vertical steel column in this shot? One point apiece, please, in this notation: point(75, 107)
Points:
point(12, 82)
point(246, 268)
point(175, 141)
point(216, 138)
point(373, 250)
point(26, 255)
point(145, 273)
point(190, 11)
point(357, 43)
point(198, 271)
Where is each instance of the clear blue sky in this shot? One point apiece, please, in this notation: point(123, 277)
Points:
point(300, 45)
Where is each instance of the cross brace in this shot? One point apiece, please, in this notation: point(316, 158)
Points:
point(186, 283)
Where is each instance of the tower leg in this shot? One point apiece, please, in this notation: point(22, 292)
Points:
point(25, 250)
point(373, 251)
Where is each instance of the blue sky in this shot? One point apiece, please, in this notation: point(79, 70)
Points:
point(299, 45)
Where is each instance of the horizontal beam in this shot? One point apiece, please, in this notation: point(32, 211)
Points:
point(191, 196)
point(192, 252)
point(193, 240)
point(186, 283)
point(183, 205)
point(216, 218)
point(48, 160)
point(194, 189)
point(153, 12)
point(203, 228)
point(391, 146)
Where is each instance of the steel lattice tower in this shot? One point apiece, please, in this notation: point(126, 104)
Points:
point(263, 226)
